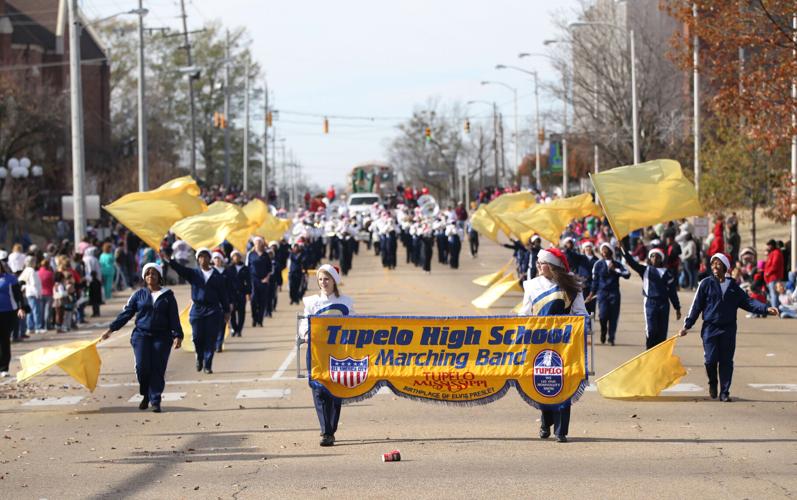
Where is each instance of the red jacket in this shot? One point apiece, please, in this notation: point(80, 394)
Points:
point(774, 268)
point(718, 243)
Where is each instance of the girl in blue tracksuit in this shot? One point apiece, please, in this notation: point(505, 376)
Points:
point(658, 291)
point(211, 306)
point(157, 330)
point(606, 276)
point(718, 297)
point(238, 273)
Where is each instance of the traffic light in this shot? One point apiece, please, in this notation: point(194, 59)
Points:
point(541, 135)
point(467, 126)
point(223, 120)
point(326, 125)
point(269, 119)
point(427, 133)
point(216, 119)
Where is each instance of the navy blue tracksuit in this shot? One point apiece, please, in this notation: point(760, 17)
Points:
point(584, 271)
point(260, 267)
point(157, 325)
point(606, 286)
point(230, 286)
point(295, 275)
point(658, 289)
point(211, 303)
point(719, 325)
point(241, 286)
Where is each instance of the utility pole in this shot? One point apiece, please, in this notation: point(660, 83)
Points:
point(187, 47)
point(794, 157)
point(696, 98)
point(285, 177)
point(264, 166)
point(634, 119)
point(246, 127)
point(495, 143)
point(564, 141)
point(537, 167)
point(143, 167)
point(227, 111)
point(503, 153)
point(76, 103)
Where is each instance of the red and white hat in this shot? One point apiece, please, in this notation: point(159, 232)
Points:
point(555, 257)
point(332, 271)
point(658, 251)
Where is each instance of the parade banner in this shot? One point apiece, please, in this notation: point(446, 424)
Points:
point(644, 375)
point(79, 359)
point(460, 360)
point(643, 195)
point(150, 214)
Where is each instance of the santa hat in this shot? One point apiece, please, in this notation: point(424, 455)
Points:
point(606, 245)
point(332, 271)
point(658, 251)
point(722, 258)
point(201, 251)
point(236, 252)
point(587, 244)
point(536, 237)
point(555, 257)
point(217, 255)
point(567, 240)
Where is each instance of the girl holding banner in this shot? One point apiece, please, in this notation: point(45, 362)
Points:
point(157, 330)
point(555, 291)
point(328, 302)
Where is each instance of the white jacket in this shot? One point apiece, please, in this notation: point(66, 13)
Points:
point(33, 285)
point(324, 306)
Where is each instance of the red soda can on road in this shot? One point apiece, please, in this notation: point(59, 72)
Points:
point(392, 456)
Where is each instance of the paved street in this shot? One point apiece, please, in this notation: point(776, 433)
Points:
point(250, 431)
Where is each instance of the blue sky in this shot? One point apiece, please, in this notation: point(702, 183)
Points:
point(373, 58)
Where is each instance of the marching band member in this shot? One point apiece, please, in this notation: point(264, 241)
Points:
point(239, 276)
point(157, 330)
point(328, 301)
point(454, 235)
point(606, 276)
point(210, 309)
point(260, 267)
point(717, 298)
point(585, 270)
point(555, 291)
point(658, 290)
point(218, 265)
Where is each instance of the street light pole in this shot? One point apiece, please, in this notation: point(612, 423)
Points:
point(190, 90)
point(635, 122)
point(246, 127)
point(564, 141)
point(514, 93)
point(696, 99)
point(76, 112)
point(537, 168)
point(794, 157)
point(264, 166)
point(143, 167)
point(227, 111)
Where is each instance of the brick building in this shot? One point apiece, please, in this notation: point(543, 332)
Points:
point(34, 47)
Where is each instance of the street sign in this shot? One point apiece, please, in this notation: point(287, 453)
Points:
point(701, 227)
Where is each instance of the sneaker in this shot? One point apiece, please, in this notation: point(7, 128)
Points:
point(208, 371)
point(545, 433)
point(327, 440)
point(156, 408)
point(144, 403)
point(712, 391)
point(726, 398)
point(561, 439)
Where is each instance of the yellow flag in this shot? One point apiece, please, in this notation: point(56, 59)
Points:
point(150, 214)
point(550, 219)
point(255, 212)
point(484, 223)
point(495, 292)
point(273, 228)
point(487, 218)
point(78, 359)
point(642, 195)
point(644, 375)
point(285, 276)
point(211, 227)
point(185, 323)
point(489, 279)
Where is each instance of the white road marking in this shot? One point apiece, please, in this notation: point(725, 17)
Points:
point(284, 366)
point(263, 393)
point(63, 401)
point(775, 387)
point(166, 396)
point(675, 388)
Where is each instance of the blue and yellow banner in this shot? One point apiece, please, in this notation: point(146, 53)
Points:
point(461, 360)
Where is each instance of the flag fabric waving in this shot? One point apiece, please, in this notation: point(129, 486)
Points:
point(255, 212)
point(644, 375)
point(496, 291)
point(550, 219)
point(642, 195)
point(150, 214)
point(211, 227)
point(490, 279)
point(487, 221)
point(78, 359)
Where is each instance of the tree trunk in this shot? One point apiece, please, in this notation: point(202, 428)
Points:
point(752, 226)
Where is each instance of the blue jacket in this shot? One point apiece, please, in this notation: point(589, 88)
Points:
point(240, 281)
point(10, 295)
point(584, 270)
point(259, 267)
point(605, 283)
point(719, 311)
point(297, 263)
point(657, 288)
point(209, 297)
point(158, 319)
